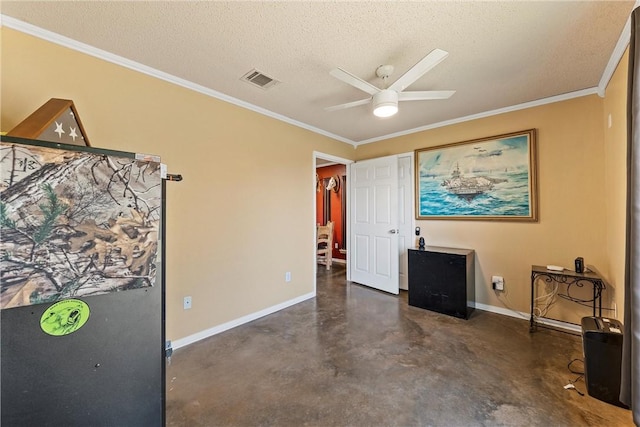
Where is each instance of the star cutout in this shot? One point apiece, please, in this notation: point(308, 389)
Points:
point(73, 133)
point(59, 130)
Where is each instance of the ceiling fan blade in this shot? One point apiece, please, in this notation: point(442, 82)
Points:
point(348, 105)
point(414, 73)
point(354, 81)
point(425, 95)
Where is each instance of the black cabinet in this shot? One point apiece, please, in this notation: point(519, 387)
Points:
point(442, 280)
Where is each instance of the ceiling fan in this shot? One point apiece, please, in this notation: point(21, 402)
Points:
point(385, 101)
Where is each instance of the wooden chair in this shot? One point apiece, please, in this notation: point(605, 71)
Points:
point(324, 244)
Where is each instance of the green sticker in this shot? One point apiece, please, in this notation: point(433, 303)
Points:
point(65, 317)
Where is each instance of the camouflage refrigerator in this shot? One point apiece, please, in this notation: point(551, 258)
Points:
point(82, 286)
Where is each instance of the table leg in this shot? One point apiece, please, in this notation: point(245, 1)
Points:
point(600, 302)
point(531, 321)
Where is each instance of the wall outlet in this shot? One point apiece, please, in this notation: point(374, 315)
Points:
point(187, 303)
point(497, 283)
point(287, 276)
point(336, 246)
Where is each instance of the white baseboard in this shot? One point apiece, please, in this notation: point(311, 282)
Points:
point(270, 310)
point(240, 321)
point(526, 316)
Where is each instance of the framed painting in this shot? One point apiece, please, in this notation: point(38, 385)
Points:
point(492, 178)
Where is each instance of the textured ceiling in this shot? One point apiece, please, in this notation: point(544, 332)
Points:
point(501, 54)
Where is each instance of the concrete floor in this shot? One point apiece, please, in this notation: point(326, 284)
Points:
point(354, 356)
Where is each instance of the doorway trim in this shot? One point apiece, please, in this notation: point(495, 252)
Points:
point(409, 208)
point(331, 158)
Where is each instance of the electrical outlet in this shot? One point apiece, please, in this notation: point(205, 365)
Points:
point(498, 283)
point(187, 303)
point(336, 246)
point(287, 276)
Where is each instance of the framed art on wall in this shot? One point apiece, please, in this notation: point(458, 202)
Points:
point(55, 121)
point(493, 178)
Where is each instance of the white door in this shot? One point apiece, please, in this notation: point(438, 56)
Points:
point(374, 223)
point(406, 235)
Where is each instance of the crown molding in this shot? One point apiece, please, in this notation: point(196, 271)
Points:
point(539, 102)
point(58, 39)
point(67, 42)
point(616, 55)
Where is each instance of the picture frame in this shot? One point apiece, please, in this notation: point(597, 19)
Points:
point(492, 178)
point(57, 120)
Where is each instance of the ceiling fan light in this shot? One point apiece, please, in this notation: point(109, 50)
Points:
point(385, 103)
point(386, 110)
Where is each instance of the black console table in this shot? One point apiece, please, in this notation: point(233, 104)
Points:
point(569, 278)
point(442, 280)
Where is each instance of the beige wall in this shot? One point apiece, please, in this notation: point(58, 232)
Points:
point(575, 181)
point(247, 176)
point(615, 152)
point(242, 216)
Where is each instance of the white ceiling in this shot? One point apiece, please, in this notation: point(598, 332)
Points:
point(502, 54)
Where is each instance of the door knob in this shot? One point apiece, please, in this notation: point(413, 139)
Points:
point(394, 231)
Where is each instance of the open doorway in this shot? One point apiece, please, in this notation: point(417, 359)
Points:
point(406, 221)
point(330, 200)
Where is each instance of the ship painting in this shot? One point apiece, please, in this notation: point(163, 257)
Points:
point(468, 188)
point(484, 179)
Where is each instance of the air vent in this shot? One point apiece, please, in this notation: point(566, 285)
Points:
point(258, 78)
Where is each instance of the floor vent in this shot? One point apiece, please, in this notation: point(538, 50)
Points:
point(258, 78)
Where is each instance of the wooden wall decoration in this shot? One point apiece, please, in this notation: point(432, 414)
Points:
point(55, 121)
